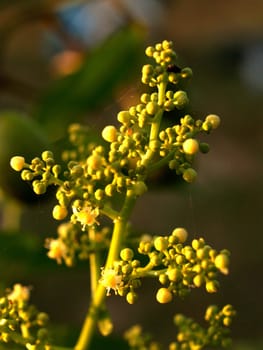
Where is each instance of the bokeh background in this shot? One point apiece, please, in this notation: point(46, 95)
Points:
point(79, 61)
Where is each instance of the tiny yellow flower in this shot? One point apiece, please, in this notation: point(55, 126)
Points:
point(86, 216)
point(19, 293)
point(110, 280)
point(57, 249)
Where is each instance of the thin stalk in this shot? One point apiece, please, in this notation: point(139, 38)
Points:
point(119, 229)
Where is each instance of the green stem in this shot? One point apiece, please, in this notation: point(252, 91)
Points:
point(119, 229)
point(155, 126)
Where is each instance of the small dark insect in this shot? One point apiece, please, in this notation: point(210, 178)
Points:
point(173, 68)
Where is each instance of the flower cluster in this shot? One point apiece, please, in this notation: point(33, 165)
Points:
point(97, 185)
point(191, 335)
point(179, 267)
point(20, 322)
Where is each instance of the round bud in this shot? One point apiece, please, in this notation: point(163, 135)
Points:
point(147, 69)
point(222, 263)
point(39, 187)
point(47, 155)
point(186, 73)
point(164, 296)
point(59, 212)
point(228, 310)
point(204, 147)
point(180, 99)
point(212, 286)
point(152, 108)
point(149, 51)
point(94, 161)
point(131, 297)
point(174, 274)
point(180, 233)
point(126, 254)
point(198, 280)
point(160, 243)
point(214, 120)
point(227, 321)
point(109, 133)
point(139, 188)
point(124, 117)
point(189, 175)
point(109, 190)
point(190, 146)
point(163, 278)
point(17, 163)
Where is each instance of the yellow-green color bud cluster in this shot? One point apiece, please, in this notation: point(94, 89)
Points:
point(139, 340)
point(193, 336)
point(178, 266)
point(165, 68)
point(20, 322)
point(190, 334)
point(95, 172)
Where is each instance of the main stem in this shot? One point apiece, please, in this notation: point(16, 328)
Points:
point(119, 229)
point(120, 224)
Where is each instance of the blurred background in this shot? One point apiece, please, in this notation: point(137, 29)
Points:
point(80, 61)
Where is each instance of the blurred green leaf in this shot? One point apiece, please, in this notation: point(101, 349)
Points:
point(71, 97)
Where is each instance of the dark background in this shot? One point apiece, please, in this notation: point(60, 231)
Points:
point(41, 46)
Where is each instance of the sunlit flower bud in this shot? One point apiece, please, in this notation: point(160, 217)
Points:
point(164, 296)
point(109, 133)
point(189, 175)
point(126, 254)
point(214, 120)
point(180, 233)
point(17, 163)
point(59, 212)
point(190, 146)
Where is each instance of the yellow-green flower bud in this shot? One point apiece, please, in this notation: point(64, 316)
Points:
point(149, 51)
point(164, 295)
point(139, 188)
point(131, 297)
point(189, 175)
point(59, 212)
point(47, 155)
point(126, 254)
point(17, 163)
point(152, 108)
point(147, 69)
point(228, 310)
point(211, 311)
point(212, 286)
point(198, 280)
point(160, 243)
point(180, 99)
point(190, 146)
point(222, 263)
point(214, 120)
point(163, 278)
point(26, 175)
point(124, 117)
point(39, 187)
point(180, 233)
point(174, 274)
point(94, 161)
point(227, 321)
point(109, 133)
